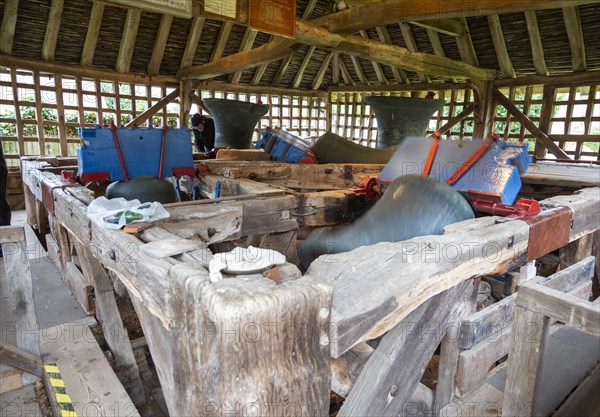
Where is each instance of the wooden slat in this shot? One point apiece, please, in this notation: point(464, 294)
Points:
point(546, 140)
point(537, 50)
point(91, 37)
point(52, 29)
point(567, 308)
point(500, 46)
point(345, 74)
point(305, 62)
point(39, 115)
point(217, 52)
point(18, 358)
point(192, 42)
point(9, 23)
point(159, 44)
point(132, 23)
point(529, 341)
point(457, 119)
point(322, 70)
point(411, 45)
point(575, 35)
point(154, 109)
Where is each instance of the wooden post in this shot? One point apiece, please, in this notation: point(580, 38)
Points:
point(545, 118)
point(485, 109)
point(395, 368)
point(14, 248)
point(18, 121)
point(109, 317)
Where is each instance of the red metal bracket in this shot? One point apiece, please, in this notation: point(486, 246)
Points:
point(86, 177)
point(369, 187)
point(548, 231)
point(181, 171)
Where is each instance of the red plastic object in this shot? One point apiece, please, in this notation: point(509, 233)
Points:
point(523, 207)
point(308, 158)
point(68, 175)
point(94, 177)
point(431, 155)
point(474, 158)
point(369, 187)
point(163, 141)
point(113, 129)
point(180, 172)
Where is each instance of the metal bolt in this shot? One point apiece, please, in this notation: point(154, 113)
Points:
point(393, 390)
point(112, 255)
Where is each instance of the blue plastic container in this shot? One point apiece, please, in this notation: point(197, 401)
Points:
point(140, 148)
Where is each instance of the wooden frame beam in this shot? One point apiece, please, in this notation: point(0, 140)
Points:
point(537, 50)
point(346, 74)
point(282, 69)
point(398, 87)
point(192, 43)
point(18, 121)
point(567, 79)
point(262, 90)
point(160, 43)
point(132, 23)
point(500, 46)
point(93, 73)
point(154, 109)
point(389, 54)
point(385, 12)
point(9, 23)
point(91, 37)
point(436, 44)
point(451, 27)
point(52, 28)
point(335, 68)
point(542, 137)
point(575, 34)
point(268, 52)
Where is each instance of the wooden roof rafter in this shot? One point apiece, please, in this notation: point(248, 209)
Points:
point(160, 43)
point(52, 28)
point(9, 24)
point(322, 71)
point(91, 37)
point(384, 36)
point(500, 46)
point(132, 23)
point(245, 45)
point(305, 61)
point(411, 45)
point(537, 50)
point(192, 43)
point(376, 66)
point(575, 35)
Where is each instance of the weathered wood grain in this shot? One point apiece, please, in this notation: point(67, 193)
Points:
point(411, 272)
point(395, 368)
point(89, 380)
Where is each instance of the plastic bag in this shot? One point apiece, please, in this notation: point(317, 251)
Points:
point(248, 260)
point(118, 212)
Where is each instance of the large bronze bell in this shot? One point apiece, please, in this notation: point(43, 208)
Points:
point(399, 117)
point(234, 121)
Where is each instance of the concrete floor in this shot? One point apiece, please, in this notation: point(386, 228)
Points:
point(54, 304)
